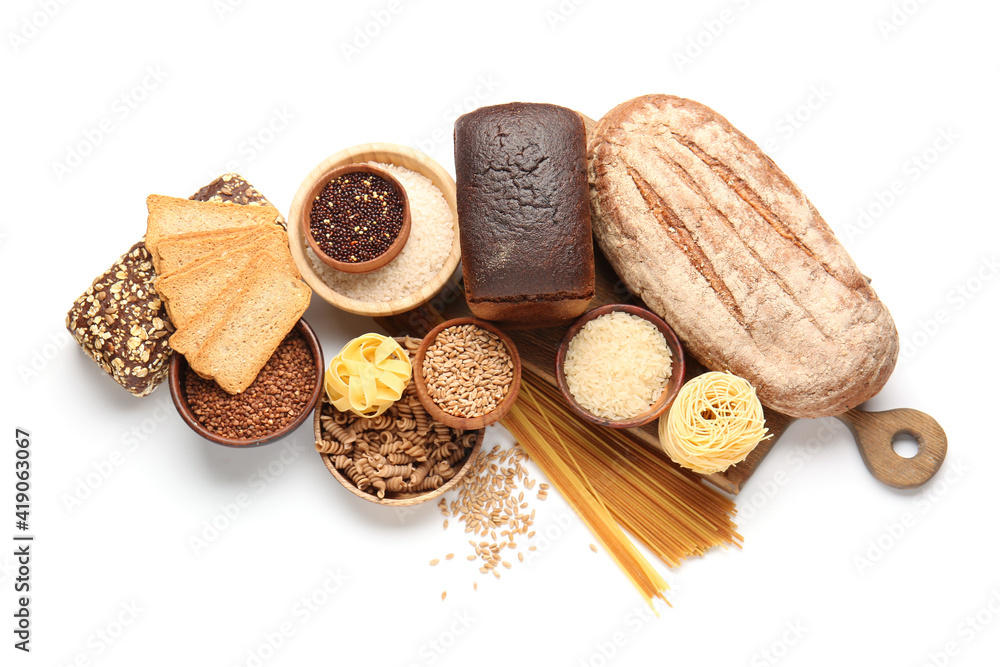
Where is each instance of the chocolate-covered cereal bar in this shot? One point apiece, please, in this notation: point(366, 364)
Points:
point(121, 324)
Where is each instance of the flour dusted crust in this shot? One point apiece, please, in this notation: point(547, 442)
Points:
point(706, 229)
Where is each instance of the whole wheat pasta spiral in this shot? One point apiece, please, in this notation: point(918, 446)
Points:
point(430, 483)
point(395, 484)
point(389, 470)
point(380, 423)
point(338, 431)
point(334, 447)
point(715, 421)
point(421, 473)
point(399, 458)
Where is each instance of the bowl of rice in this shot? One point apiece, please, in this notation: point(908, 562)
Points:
point(620, 366)
point(428, 259)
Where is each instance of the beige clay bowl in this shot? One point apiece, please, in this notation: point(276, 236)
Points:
point(401, 156)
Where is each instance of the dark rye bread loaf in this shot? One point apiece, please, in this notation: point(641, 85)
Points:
point(524, 218)
point(706, 229)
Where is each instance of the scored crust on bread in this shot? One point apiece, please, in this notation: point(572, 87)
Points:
point(251, 329)
point(170, 216)
point(704, 227)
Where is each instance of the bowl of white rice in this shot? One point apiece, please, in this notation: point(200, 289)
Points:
point(620, 366)
point(424, 265)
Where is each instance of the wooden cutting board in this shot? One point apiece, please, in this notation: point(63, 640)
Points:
point(874, 432)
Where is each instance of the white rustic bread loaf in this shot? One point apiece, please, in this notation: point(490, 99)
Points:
point(706, 229)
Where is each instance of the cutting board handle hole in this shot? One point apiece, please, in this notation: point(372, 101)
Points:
point(905, 445)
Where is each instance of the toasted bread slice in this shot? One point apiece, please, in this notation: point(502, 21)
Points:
point(273, 237)
point(188, 339)
point(179, 250)
point(170, 216)
point(252, 329)
point(187, 291)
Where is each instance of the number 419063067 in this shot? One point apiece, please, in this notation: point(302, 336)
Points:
point(22, 470)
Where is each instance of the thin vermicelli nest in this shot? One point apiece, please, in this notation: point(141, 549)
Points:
point(714, 423)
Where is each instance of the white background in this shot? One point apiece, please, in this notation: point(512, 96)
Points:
point(826, 551)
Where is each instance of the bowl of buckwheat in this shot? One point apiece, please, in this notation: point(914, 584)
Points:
point(275, 404)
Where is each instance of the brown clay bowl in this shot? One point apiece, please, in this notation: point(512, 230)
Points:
point(669, 392)
point(179, 370)
point(435, 411)
point(372, 264)
point(392, 498)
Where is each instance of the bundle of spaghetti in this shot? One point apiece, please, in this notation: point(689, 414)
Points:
point(715, 422)
point(671, 511)
point(544, 445)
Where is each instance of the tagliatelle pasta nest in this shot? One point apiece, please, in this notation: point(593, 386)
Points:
point(368, 376)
